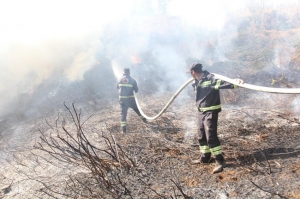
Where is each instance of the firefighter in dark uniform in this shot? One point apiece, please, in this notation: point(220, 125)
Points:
point(127, 85)
point(207, 87)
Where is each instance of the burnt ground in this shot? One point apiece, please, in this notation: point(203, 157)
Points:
point(94, 160)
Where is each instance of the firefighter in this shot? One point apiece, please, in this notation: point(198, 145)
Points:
point(127, 85)
point(207, 87)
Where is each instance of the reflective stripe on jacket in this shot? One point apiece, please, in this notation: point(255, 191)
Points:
point(208, 92)
point(127, 85)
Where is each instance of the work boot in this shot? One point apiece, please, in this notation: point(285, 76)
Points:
point(123, 129)
point(206, 160)
point(145, 120)
point(202, 160)
point(219, 166)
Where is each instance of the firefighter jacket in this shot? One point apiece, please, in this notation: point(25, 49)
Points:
point(208, 94)
point(126, 87)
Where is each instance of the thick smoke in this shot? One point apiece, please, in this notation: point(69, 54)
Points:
point(55, 51)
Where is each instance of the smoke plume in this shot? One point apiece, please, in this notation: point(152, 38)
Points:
point(53, 51)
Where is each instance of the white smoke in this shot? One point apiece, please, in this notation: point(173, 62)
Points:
point(117, 68)
point(208, 14)
point(39, 39)
point(296, 106)
point(42, 38)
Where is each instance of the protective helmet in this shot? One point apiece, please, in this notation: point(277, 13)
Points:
point(126, 71)
point(197, 67)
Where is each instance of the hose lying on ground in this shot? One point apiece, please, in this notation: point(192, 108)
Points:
point(233, 81)
point(167, 105)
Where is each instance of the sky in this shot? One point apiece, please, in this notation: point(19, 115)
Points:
point(40, 39)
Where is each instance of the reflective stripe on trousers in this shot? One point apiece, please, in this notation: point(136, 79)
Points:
point(204, 149)
point(216, 150)
point(123, 123)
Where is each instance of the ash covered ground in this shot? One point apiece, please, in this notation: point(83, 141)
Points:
point(59, 157)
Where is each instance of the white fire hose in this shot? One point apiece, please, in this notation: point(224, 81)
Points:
point(233, 81)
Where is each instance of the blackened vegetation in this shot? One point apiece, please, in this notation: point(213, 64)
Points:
point(92, 159)
point(112, 170)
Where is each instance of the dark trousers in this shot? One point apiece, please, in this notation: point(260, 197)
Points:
point(208, 137)
point(125, 105)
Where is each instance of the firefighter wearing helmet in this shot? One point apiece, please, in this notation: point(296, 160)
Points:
point(207, 89)
point(127, 85)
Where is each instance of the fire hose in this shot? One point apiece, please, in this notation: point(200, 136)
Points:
point(232, 81)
